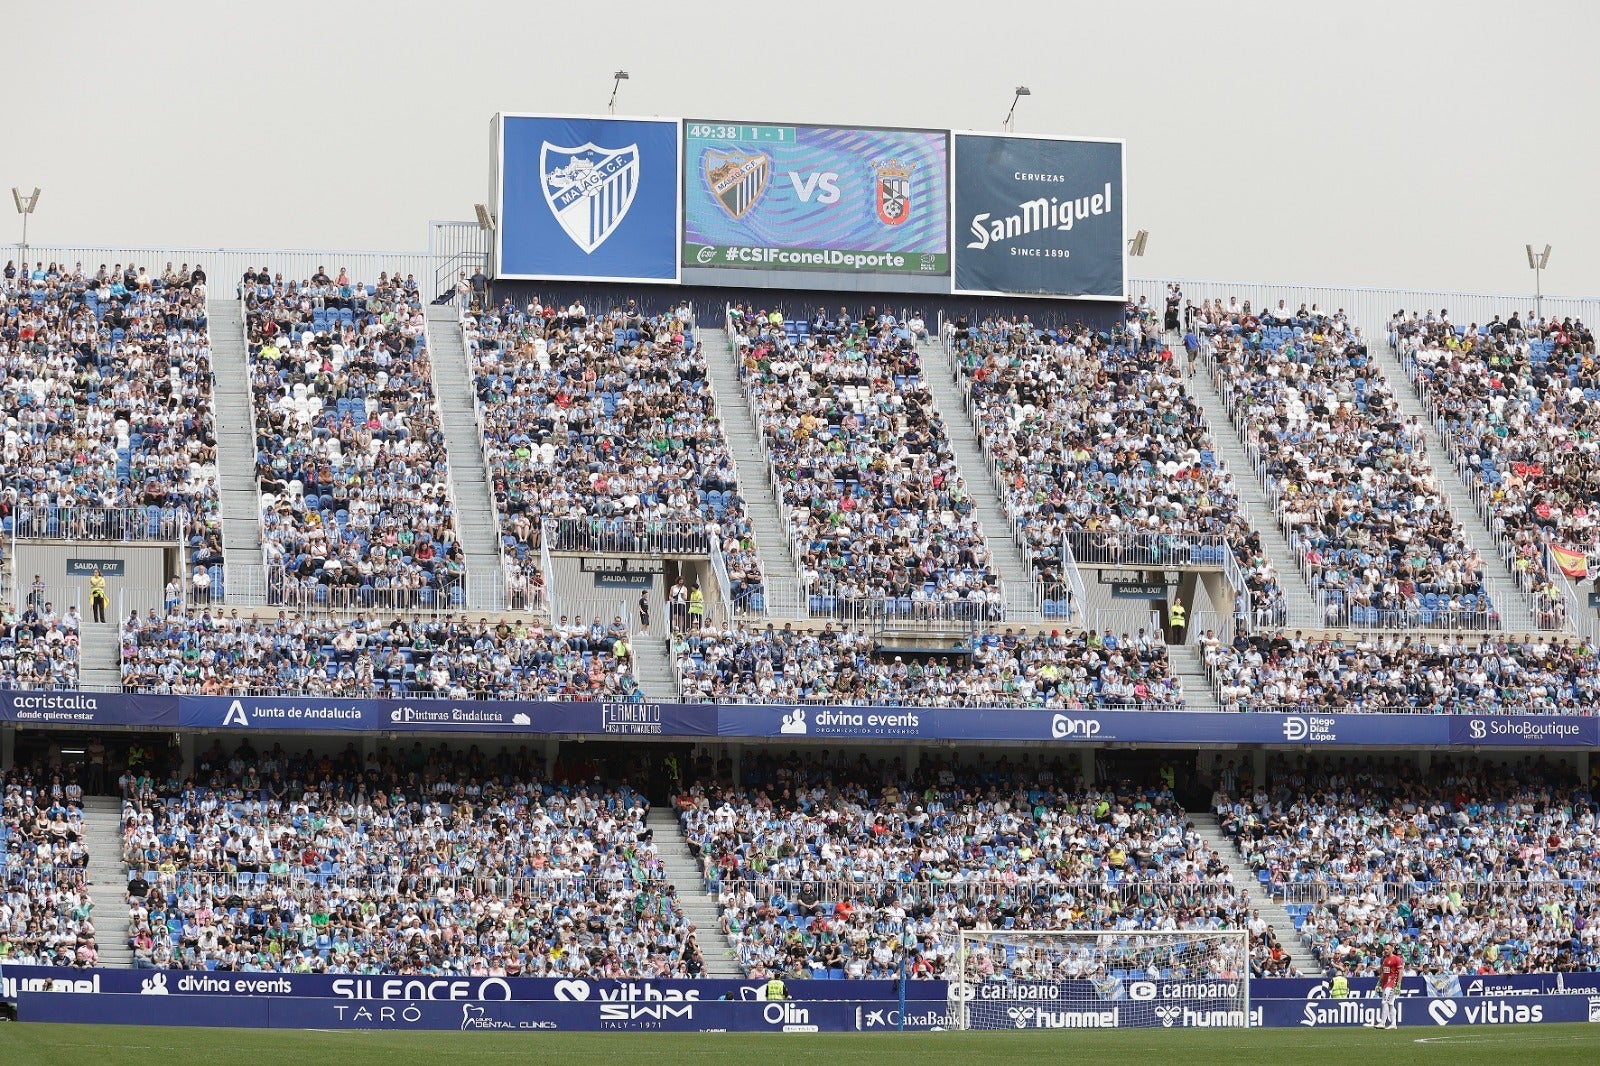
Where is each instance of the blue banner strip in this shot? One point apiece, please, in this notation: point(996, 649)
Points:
point(244, 1012)
point(265, 1012)
point(15, 978)
point(780, 722)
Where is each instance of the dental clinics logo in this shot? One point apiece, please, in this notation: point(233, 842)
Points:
point(473, 1016)
point(589, 189)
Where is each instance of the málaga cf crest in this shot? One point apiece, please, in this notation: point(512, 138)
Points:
point(589, 189)
point(737, 179)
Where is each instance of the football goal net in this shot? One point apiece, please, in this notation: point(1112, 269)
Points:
point(1005, 979)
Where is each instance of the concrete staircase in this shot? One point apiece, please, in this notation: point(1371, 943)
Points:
point(652, 668)
point(755, 476)
point(1516, 614)
point(246, 577)
point(100, 654)
point(476, 518)
point(684, 872)
point(1189, 669)
point(108, 878)
point(951, 399)
point(1206, 825)
point(1299, 604)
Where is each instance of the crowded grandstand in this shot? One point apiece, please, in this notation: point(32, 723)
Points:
point(629, 599)
point(602, 429)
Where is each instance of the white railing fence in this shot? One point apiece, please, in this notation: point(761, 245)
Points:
point(160, 524)
point(1369, 308)
point(225, 266)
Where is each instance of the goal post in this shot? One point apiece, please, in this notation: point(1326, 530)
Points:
point(1100, 979)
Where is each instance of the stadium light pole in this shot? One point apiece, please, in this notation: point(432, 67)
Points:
point(1537, 261)
point(616, 83)
point(486, 227)
point(1022, 90)
point(25, 207)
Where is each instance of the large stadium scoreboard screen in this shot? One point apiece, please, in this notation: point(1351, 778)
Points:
point(725, 203)
point(816, 198)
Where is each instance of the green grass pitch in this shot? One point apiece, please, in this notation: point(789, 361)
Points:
point(73, 1045)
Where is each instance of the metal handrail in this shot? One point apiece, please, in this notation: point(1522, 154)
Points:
point(1241, 587)
point(357, 877)
point(1325, 889)
point(450, 480)
point(1148, 551)
point(719, 569)
point(1238, 403)
point(231, 574)
point(975, 890)
point(1486, 508)
point(625, 536)
point(285, 591)
point(87, 523)
point(792, 524)
point(535, 604)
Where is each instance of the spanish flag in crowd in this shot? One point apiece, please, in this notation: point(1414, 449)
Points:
point(1574, 564)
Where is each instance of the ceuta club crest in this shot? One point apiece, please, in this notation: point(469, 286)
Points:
point(893, 183)
point(589, 189)
point(737, 179)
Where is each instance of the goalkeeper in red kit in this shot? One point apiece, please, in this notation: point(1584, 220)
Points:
point(1390, 971)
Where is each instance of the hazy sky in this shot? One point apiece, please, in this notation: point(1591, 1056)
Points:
point(1394, 144)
